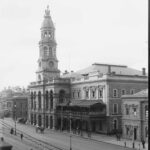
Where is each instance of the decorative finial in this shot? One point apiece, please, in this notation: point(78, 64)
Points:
point(47, 11)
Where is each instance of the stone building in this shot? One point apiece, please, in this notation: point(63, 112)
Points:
point(135, 116)
point(99, 86)
point(15, 107)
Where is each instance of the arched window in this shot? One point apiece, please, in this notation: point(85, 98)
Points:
point(132, 91)
point(46, 51)
point(51, 99)
point(49, 34)
point(100, 93)
point(46, 99)
point(45, 34)
point(61, 96)
point(115, 93)
point(46, 123)
point(39, 99)
point(87, 94)
point(32, 100)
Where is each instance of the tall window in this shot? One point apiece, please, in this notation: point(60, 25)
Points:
point(51, 99)
point(115, 93)
point(39, 99)
point(61, 96)
point(46, 51)
point(100, 93)
point(127, 110)
point(123, 92)
point(50, 51)
point(31, 100)
point(134, 111)
point(132, 91)
point(115, 124)
point(46, 98)
point(93, 93)
point(87, 93)
point(78, 94)
point(127, 130)
point(115, 108)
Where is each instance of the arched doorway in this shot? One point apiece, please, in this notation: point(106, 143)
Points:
point(51, 122)
point(46, 122)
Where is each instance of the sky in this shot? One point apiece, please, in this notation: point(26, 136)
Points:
point(87, 31)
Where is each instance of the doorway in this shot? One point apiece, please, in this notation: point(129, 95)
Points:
point(135, 133)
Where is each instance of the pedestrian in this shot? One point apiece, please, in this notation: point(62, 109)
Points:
point(21, 136)
point(143, 143)
point(11, 131)
point(133, 144)
point(125, 144)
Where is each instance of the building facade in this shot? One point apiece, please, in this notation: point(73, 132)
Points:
point(105, 83)
point(135, 116)
point(15, 107)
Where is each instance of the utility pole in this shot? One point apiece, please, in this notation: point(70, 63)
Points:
point(15, 117)
point(70, 133)
point(43, 102)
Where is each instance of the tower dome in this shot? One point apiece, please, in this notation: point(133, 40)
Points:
point(47, 22)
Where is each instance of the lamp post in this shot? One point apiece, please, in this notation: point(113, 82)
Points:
point(15, 117)
point(70, 133)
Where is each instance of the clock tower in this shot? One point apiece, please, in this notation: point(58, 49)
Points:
point(47, 62)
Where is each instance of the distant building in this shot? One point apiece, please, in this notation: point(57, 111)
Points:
point(15, 107)
point(135, 116)
point(53, 96)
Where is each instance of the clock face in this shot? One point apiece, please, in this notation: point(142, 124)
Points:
point(51, 64)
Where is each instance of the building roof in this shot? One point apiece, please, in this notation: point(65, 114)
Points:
point(103, 69)
point(141, 94)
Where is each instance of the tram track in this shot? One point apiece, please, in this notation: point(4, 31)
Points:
point(30, 139)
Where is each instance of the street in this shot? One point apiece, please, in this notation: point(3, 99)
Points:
point(61, 140)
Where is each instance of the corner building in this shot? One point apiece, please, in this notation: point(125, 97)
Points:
point(90, 98)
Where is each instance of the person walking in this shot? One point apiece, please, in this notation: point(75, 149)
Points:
point(21, 136)
point(143, 142)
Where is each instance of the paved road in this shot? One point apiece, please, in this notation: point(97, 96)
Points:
point(63, 140)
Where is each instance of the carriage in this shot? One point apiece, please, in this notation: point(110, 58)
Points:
point(38, 128)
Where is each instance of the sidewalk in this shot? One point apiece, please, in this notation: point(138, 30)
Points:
point(107, 139)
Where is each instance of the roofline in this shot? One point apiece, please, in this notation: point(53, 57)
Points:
point(113, 65)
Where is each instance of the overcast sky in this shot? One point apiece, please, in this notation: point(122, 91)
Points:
point(87, 31)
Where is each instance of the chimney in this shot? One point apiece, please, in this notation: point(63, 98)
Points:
point(109, 69)
point(143, 71)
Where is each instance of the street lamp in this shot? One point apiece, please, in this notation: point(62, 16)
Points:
point(70, 133)
point(15, 117)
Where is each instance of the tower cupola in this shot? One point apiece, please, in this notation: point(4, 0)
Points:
point(47, 22)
